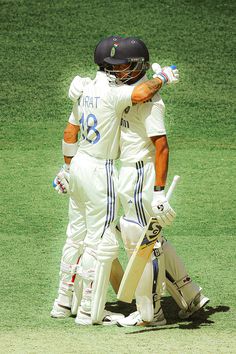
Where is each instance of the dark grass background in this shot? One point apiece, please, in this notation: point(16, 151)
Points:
point(44, 44)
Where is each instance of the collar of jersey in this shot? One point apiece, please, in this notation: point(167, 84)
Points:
point(101, 75)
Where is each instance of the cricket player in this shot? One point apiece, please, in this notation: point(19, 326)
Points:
point(91, 234)
point(142, 179)
point(174, 262)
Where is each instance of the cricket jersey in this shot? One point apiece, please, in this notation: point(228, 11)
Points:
point(99, 116)
point(140, 122)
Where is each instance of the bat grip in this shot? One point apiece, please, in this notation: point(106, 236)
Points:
point(172, 187)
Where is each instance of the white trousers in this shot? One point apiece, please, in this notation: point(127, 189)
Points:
point(135, 189)
point(93, 189)
point(93, 208)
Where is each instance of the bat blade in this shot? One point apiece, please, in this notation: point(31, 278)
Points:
point(138, 261)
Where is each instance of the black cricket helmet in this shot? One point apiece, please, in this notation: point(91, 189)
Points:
point(103, 49)
point(132, 51)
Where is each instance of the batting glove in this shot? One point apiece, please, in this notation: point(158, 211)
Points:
point(61, 181)
point(77, 87)
point(156, 68)
point(161, 208)
point(168, 74)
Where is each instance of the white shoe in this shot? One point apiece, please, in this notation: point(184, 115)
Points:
point(59, 311)
point(198, 302)
point(83, 318)
point(110, 318)
point(134, 319)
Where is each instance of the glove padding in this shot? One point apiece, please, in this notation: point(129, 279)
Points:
point(61, 181)
point(156, 68)
point(77, 86)
point(161, 208)
point(168, 74)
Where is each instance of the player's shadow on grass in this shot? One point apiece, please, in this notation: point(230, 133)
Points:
point(121, 307)
point(200, 319)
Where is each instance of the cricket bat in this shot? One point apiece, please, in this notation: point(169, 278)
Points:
point(141, 254)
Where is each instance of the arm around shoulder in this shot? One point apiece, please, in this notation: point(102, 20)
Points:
point(146, 90)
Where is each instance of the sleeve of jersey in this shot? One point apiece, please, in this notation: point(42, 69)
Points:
point(122, 98)
point(153, 117)
point(75, 115)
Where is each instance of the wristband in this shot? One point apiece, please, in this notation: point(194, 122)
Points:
point(66, 167)
point(158, 188)
point(163, 77)
point(69, 149)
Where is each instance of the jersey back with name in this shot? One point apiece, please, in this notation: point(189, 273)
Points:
point(99, 114)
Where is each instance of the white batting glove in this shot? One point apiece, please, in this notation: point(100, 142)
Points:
point(168, 74)
point(161, 208)
point(156, 68)
point(77, 86)
point(61, 181)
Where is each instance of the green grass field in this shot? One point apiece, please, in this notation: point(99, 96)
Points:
point(44, 44)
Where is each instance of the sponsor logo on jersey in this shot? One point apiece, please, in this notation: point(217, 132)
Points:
point(124, 123)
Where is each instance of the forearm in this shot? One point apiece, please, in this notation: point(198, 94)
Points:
point(67, 160)
point(145, 91)
point(69, 143)
point(161, 160)
point(160, 205)
point(71, 133)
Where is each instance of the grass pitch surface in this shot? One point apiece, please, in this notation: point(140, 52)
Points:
point(44, 45)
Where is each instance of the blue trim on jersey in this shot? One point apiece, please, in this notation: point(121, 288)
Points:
point(155, 277)
point(110, 195)
point(138, 194)
point(132, 221)
point(113, 200)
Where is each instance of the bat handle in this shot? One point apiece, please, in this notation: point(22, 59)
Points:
point(172, 187)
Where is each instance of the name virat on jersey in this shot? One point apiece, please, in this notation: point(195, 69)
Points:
point(90, 101)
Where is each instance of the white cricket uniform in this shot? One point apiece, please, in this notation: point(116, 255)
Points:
point(93, 177)
point(136, 182)
point(137, 173)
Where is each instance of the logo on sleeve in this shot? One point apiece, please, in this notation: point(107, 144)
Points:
point(127, 110)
